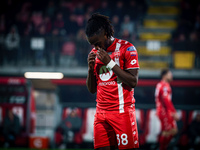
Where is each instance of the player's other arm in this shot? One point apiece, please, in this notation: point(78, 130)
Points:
point(171, 109)
point(91, 82)
point(91, 79)
point(128, 77)
point(169, 105)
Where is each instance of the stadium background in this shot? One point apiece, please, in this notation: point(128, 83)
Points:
point(48, 36)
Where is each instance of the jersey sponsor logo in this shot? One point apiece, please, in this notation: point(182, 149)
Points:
point(133, 53)
point(133, 62)
point(132, 48)
point(107, 83)
point(105, 73)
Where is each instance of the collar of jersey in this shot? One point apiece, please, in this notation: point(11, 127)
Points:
point(111, 48)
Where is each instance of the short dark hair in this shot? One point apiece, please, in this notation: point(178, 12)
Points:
point(96, 23)
point(164, 72)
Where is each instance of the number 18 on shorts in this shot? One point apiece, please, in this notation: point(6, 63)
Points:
point(123, 139)
point(118, 130)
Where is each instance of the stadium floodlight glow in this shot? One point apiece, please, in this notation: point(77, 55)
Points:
point(43, 75)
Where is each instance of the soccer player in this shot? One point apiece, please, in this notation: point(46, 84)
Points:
point(113, 74)
point(165, 109)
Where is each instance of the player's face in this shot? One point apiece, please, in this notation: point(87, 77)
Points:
point(99, 41)
point(169, 76)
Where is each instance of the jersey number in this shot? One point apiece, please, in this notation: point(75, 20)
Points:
point(123, 139)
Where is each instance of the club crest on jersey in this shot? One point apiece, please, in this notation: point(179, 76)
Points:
point(117, 54)
point(131, 48)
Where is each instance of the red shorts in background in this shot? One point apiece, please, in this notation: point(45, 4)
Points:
point(167, 121)
point(116, 129)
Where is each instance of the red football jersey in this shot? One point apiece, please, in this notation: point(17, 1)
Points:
point(163, 95)
point(112, 94)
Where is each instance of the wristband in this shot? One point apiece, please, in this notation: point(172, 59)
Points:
point(111, 64)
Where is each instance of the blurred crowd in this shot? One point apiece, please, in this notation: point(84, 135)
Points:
point(187, 35)
point(33, 18)
point(51, 32)
point(61, 23)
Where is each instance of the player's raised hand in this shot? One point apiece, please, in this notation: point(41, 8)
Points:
point(103, 56)
point(91, 60)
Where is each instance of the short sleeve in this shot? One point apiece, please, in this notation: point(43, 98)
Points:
point(131, 58)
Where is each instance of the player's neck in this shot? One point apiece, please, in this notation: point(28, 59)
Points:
point(110, 41)
point(165, 80)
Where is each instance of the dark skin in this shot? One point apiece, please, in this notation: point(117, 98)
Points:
point(129, 77)
point(102, 42)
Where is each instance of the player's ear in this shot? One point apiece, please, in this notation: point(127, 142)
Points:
point(106, 36)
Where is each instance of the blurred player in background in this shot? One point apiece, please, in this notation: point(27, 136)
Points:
point(113, 74)
point(165, 109)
